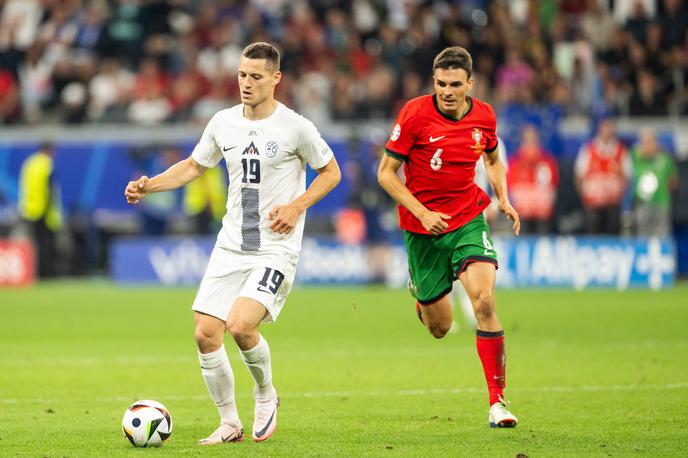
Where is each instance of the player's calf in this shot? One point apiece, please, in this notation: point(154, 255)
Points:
point(439, 330)
point(436, 316)
point(485, 311)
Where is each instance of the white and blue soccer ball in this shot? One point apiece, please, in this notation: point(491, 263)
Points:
point(147, 424)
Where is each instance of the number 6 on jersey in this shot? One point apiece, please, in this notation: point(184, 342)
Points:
point(436, 161)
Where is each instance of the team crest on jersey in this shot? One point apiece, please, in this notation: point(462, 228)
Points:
point(251, 150)
point(271, 149)
point(395, 132)
point(477, 136)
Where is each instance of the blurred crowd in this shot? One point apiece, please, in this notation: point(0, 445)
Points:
point(619, 189)
point(158, 61)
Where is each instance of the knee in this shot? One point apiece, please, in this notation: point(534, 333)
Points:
point(240, 331)
point(439, 330)
point(484, 306)
point(207, 340)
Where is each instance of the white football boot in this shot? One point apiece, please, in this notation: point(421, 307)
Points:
point(500, 417)
point(265, 418)
point(226, 432)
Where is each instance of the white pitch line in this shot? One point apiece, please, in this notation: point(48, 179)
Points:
point(381, 393)
point(310, 354)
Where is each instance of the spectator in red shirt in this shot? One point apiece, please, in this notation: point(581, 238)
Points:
point(532, 181)
point(602, 172)
point(150, 79)
point(185, 90)
point(9, 98)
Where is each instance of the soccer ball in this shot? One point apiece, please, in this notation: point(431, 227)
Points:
point(147, 424)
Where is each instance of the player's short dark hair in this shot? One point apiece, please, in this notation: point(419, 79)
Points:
point(454, 57)
point(262, 50)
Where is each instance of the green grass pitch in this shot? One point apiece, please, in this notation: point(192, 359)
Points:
point(597, 373)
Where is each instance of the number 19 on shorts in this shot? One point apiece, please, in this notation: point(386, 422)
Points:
point(271, 281)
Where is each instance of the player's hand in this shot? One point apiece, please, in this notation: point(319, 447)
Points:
point(433, 222)
point(283, 218)
point(506, 208)
point(136, 190)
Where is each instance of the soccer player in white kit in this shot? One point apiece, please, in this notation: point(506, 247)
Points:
point(266, 147)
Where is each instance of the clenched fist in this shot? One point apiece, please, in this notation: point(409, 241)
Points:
point(136, 190)
point(283, 218)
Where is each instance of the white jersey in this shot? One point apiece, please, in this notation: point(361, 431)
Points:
point(266, 160)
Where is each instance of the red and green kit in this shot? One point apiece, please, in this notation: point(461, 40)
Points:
point(439, 154)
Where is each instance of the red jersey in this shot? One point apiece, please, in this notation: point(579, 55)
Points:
point(439, 154)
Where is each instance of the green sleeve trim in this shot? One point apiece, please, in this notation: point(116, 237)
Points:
point(395, 155)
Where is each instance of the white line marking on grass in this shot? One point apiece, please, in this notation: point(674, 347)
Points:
point(98, 361)
point(373, 393)
point(183, 358)
point(471, 390)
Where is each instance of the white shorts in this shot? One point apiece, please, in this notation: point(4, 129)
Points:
point(263, 277)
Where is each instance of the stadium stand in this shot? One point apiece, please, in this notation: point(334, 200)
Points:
point(155, 61)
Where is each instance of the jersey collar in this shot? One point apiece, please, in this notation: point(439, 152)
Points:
point(278, 108)
point(451, 118)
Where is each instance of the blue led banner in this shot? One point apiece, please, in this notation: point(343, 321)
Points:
point(566, 262)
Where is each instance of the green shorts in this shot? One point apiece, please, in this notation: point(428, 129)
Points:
point(435, 261)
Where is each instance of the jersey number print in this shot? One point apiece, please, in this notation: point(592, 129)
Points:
point(251, 170)
point(436, 161)
point(275, 277)
point(489, 248)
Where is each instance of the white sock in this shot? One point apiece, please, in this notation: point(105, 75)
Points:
point(219, 379)
point(257, 361)
point(460, 297)
point(467, 308)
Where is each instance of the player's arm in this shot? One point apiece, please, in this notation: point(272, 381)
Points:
point(433, 222)
point(175, 177)
point(496, 175)
point(284, 217)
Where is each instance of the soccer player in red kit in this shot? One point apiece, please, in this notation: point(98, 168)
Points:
point(439, 138)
